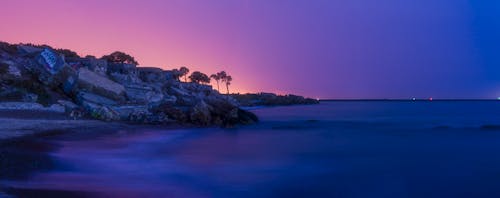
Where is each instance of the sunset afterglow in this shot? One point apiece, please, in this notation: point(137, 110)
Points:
point(326, 49)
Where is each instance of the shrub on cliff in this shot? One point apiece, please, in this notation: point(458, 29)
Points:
point(199, 78)
point(184, 72)
point(120, 57)
point(67, 53)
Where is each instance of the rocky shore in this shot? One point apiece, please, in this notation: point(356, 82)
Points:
point(270, 99)
point(41, 78)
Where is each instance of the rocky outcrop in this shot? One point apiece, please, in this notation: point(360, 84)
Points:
point(110, 91)
point(270, 99)
point(93, 82)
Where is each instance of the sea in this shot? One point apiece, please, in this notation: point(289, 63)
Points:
point(359, 149)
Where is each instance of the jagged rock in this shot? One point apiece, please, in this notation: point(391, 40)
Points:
point(66, 79)
point(174, 112)
point(30, 97)
point(246, 117)
point(57, 108)
point(200, 114)
point(10, 70)
point(28, 50)
point(142, 94)
point(68, 105)
point(145, 117)
point(51, 61)
point(98, 66)
point(100, 85)
point(125, 78)
point(83, 97)
point(151, 74)
point(111, 91)
point(126, 111)
point(99, 112)
point(169, 99)
point(123, 68)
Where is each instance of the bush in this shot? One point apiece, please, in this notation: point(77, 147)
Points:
point(67, 53)
point(120, 57)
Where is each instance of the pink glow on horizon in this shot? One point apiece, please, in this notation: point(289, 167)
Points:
point(153, 34)
point(320, 48)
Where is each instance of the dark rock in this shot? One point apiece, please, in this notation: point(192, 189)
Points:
point(83, 97)
point(246, 117)
point(177, 113)
point(142, 94)
point(51, 61)
point(270, 99)
point(100, 112)
point(200, 114)
point(151, 74)
point(24, 50)
point(104, 90)
point(100, 85)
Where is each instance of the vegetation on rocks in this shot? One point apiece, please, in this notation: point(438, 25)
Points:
point(113, 88)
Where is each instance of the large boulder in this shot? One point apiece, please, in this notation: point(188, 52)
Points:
point(200, 114)
point(24, 50)
point(83, 97)
point(142, 94)
point(100, 112)
point(177, 113)
point(100, 85)
point(151, 74)
point(126, 110)
point(50, 60)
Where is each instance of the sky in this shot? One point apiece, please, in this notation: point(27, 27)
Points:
point(317, 48)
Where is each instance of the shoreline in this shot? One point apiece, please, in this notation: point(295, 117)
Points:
point(18, 125)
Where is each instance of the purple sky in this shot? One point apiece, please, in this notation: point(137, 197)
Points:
point(317, 48)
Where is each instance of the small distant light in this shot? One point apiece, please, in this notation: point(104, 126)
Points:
point(413, 99)
point(498, 98)
point(430, 99)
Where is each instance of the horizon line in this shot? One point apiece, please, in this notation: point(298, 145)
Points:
point(413, 99)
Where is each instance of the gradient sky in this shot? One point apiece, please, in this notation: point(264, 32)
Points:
point(317, 48)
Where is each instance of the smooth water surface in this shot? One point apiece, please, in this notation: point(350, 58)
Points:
point(334, 149)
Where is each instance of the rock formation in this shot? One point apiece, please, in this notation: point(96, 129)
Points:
point(111, 91)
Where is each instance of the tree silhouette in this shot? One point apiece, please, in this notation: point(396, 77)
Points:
point(184, 72)
point(120, 57)
point(218, 77)
point(199, 77)
point(67, 53)
point(176, 74)
point(227, 79)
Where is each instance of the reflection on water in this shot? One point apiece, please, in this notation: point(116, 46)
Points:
point(335, 149)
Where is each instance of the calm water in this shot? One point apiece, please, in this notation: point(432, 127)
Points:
point(335, 149)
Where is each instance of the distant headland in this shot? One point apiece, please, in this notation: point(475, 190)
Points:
point(40, 78)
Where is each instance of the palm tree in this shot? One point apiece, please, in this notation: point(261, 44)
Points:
point(227, 80)
point(184, 71)
point(216, 77)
